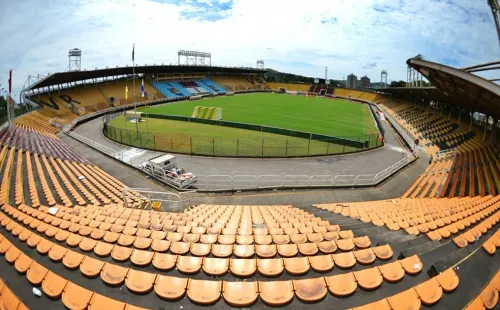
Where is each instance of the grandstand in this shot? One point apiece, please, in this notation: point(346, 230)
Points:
point(69, 230)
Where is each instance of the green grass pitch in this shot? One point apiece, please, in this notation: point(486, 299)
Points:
point(317, 115)
point(336, 117)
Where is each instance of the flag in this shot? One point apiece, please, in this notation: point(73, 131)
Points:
point(10, 81)
point(142, 88)
point(133, 48)
point(126, 92)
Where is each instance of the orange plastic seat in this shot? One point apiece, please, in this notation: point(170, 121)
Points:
point(287, 250)
point(476, 304)
point(276, 293)
point(142, 243)
point(72, 259)
point(139, 281)
point(489, 246)
point(310, 290)
point(215, 266)
point(91, 267)
point(222, 250)
point(87, 244)
point(32, 241)
point(405, 300)
point(12, 254)
point(97, 234)
point(243, 267)
point(120, 253)
point(383, 252)
point(22, 264)
point(327, 247)
point(345, 244)
point(57, 252)
point(362, 242)
point(163, 261)
point(111, 237)
point(296, 265)
point(170, 288)
point(240, 294)
point(113, 274)
point(342, 284)
point(53, 285)
point(244, 239)
point(298, 238)
point(430, 291)
point(126, 240)
point(103, 249)
point(392, 272)
point(346, 234)
point(200, 249)
point(369, 279)
point(281, 239)
point(102, 302)
point(8, 300)
point(43, 247)
point(307, 249)
point(489, 296)
point(344, 260)
point(160, 245)
point(204, 292)
point(141, 257)
point(263, 239)
point(243, 251)
point(73, 240)
point(226, 239)
point(189, 264)
point(365, 257)
point(179, 247)
point(270, 267)
point(36, 273)
point(321, 263)
point(448, 280)
point(75, 297)
point(412, 264)
point(265, 251)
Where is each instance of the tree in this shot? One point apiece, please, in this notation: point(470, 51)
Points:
point(398, 84)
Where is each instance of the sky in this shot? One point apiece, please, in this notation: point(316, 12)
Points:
point(362, 37)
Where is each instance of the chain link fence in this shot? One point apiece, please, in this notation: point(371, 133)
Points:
point(234, 147)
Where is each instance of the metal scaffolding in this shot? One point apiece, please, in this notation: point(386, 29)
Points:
point(193, 58)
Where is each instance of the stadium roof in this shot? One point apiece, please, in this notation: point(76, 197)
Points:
point(73, 76)
point(430, 93)
point(460, 87)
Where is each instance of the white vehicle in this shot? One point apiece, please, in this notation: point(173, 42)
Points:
point(164, 167)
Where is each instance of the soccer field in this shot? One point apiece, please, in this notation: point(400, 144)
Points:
point(337, 118)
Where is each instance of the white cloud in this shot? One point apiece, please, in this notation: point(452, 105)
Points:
point(363, 36)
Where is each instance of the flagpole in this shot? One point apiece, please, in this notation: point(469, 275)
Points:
point(135, 103)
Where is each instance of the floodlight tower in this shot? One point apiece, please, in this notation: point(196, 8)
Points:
point(260, 64)
point(326, 73)
point(75, 59)
point(495, 9)
point(383, 78)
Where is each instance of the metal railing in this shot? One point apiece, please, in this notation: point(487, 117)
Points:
point(446, 154)
point(211, 183)
point(146, 198)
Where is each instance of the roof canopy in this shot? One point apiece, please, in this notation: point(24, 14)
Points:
point(458, 87)
point(73, 76)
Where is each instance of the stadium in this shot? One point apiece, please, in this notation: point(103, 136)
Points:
point(193, 185)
